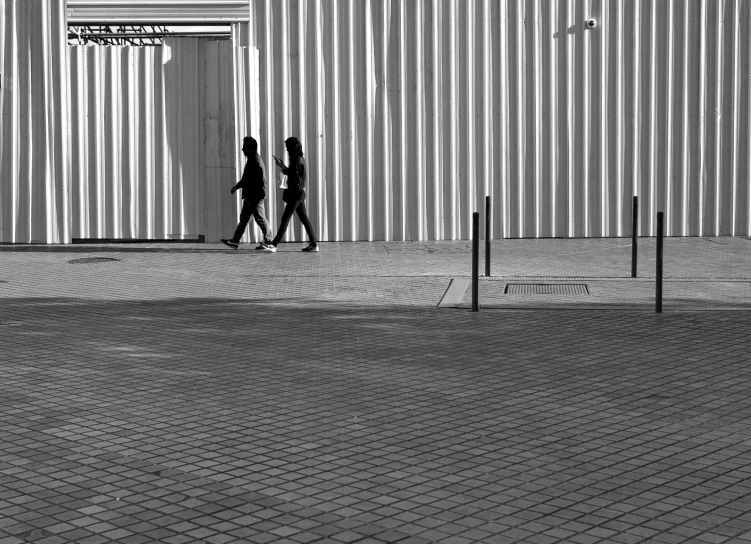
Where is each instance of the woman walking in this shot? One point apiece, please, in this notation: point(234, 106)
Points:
point(294, 195)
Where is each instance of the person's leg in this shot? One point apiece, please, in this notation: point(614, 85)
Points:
point(289, 209)
point(245, 214)
point(302, 213)
point(259, 213)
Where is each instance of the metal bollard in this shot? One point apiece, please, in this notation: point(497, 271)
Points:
point(658, 276)
point(634, 231)
point(475, 259)
point(488, 215)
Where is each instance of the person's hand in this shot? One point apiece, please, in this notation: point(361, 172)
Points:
point(233, 190)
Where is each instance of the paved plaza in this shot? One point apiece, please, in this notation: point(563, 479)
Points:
point(189, 393)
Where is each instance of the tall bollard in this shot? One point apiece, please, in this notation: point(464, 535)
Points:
point(488, 215)
point(475, 259)
point(634, 231)
point(658, 276)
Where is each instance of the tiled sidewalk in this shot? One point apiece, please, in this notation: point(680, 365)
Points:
point(679, 295)
point(194, 394)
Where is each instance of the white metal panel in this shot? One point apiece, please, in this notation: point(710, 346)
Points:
point(410, 112)
point(247, 115)
point(153, 140)
point(81, 12)
point(34, 128)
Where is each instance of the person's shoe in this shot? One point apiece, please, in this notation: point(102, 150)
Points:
point(311, 247)
point(268, 247)
point(260, 246)
point(230, 243)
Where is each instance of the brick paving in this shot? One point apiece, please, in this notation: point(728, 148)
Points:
point(623, 294)
point(189, 393)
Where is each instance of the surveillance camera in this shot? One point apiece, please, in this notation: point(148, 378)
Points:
point(591, 23)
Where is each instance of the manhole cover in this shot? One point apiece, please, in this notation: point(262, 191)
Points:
point(34, 534)
point(91, 260)
point(546, 289)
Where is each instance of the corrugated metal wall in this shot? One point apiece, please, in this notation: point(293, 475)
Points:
point(153, 140)
point(410, 112)
point(156, 11)
point(34, 135)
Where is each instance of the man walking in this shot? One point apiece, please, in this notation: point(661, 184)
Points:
point(255, 187)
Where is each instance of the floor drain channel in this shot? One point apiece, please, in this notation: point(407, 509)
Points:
point(92, 260)
point(546, 289)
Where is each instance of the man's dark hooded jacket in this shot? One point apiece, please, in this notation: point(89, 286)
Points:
point(253, 182)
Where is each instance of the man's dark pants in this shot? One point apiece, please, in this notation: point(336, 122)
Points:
point(253, 207)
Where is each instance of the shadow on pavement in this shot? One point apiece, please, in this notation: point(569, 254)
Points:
point(368, 423)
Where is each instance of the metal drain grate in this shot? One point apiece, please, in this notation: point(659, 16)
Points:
point(546, 289)
point(92, 260)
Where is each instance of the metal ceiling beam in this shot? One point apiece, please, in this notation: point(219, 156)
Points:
point(157, 12)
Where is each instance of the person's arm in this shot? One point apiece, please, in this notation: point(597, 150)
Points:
point(239, 184)
point(293, 174)
point(296, 174)
point(261, 172)
point(302, 175)
point(280, 163)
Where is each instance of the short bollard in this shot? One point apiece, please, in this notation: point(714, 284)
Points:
point(475, 259)
point(488, 215)
point(634, 231)
point(658, 275)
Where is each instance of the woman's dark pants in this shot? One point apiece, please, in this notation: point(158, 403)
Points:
point(296, 204)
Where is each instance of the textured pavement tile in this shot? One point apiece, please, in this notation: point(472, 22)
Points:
point(195, 394)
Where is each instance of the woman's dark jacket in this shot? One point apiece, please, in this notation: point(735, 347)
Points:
point(296, 174)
